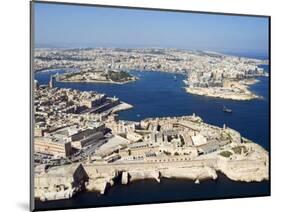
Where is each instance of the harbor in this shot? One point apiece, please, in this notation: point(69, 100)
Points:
point(150, 99)
point(180, 103)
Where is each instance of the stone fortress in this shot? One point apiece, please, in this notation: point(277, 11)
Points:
point(81, 149)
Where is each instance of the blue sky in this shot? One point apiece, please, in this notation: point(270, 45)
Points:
point(80, 26)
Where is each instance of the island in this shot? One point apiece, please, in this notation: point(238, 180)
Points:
point(81, 145)
point(93, 76)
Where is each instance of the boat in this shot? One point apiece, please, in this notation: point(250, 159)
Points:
point(185, 82)
point(226, 110)
point(175, 78)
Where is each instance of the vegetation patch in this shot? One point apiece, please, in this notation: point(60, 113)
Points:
point(226, 154)
point(238, 149)
point(119, 76)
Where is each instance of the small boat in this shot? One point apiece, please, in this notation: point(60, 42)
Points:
point(185, 82)
point(226, 110)
point(138, 115)
point(175, 78)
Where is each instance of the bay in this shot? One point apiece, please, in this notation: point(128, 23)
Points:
point(158, 94)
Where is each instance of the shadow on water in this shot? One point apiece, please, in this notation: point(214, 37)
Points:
point(168, 190)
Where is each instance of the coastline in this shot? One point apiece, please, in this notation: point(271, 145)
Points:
point(102, 180)
point(66, 69)
point(153, 192)
point(121, 107)
point(228, 92)
point(209, 93)
point(250, 165)
point(242, 170)
point(96, 81)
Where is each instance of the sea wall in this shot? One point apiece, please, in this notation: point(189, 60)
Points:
point(103, 176)
point(245, 170)
point(191, 173)
point(100, 179)
point(146, 174)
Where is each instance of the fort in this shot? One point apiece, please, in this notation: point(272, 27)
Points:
point(100, 177)
point(168, 147)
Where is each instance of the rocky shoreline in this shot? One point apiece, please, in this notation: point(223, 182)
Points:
point(100, 182)
point(196, 174)
point(96, 81)
point(243, 170)
point(238, 158)
point(211, 92)
point(234, 90)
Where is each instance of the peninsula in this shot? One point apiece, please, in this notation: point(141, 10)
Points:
point(230, 89)
point(81, 145)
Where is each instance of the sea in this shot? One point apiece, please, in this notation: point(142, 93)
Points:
point(159, 94)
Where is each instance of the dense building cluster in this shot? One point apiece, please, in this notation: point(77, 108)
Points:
point(212, 65)
point(171, 138)
point(67, 119)
point(216, 70)
point(208, 73)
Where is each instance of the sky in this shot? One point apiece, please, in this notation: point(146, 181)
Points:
point(69, 26)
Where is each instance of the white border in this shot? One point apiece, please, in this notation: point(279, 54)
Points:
point(15, 102)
